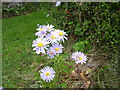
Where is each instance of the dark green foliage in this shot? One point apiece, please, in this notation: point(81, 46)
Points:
point(97, 23)
point(82, 46)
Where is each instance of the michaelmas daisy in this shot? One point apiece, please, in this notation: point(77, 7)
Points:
point(51, 54)
point(61, 34)
point(58, 3)
point(41, 31)
point(75, 55)
point(47, 74)
point(41, 28)
point(40, 45)
point(56, 48)
point(53, 38)
point(49, 27)
point(79, 57)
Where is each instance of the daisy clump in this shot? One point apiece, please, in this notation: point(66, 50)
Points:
point(47, 74)
point(49, 39)
point(79, 57)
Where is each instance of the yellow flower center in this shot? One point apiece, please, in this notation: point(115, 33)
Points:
point(60, 34)
point(53, 37)
point(80, 58)
point(48, 28)
point(40, 29)
point(43, 34)
point(40, 44)
point(76, 55)
point(47, 73)
point(51, 52)
point(56, 49)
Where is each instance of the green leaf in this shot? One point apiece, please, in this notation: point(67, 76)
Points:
point(79, 46)
point(78, 24)
point(104, 68)
point(86, 22)
point(70, 23)
point(78, 29)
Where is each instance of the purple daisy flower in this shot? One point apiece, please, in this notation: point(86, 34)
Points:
point(41, 33)
point(56, 48)
point(53, 38)
point(75, 55)
point(58, 3)
point(49, 27)
point(41, 28)
point(51, 53)
point(40, 45)
point(61, 35)
point(1, 88)
point(79, 57)
point(47, 74)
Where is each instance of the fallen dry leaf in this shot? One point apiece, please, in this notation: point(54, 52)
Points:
point(85, 79)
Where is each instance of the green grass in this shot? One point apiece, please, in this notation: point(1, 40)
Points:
point(18, 57)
